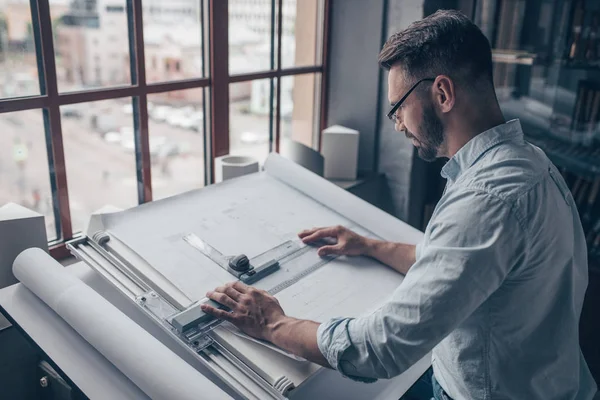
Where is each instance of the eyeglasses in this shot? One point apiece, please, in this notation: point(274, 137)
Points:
point(392, 114)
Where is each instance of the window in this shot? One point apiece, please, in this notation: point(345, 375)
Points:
point(105, 37)
point(19, 73)
point(250, 118)
point(175, 37)
point(24, 171)
point(251, 45)
point(177, 136)
point(298, 100)
point(111, 111)
point(99, 151)
point(301, 34)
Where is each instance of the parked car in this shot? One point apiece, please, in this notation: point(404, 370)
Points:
point(127, 108)
point(72, 111)
point(194, 121)
point(176, 118)
point(254, 137)
point(160, 113)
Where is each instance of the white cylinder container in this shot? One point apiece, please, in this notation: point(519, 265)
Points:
point(235, 166)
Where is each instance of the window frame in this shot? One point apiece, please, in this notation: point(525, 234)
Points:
point(215, 53)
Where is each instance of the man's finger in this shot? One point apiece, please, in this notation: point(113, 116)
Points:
point(308, 232)
point(240, 287)
point(224, 315)
point(328, 250)
point(320, 234)
point(223, 299)
point(230, 291)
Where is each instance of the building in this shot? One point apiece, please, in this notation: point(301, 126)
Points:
point(18, 66)
point(171, 12)
point(93, 47)
point(256, 15)
point(92, 44)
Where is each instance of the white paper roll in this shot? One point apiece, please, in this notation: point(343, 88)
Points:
point(147, 362)
point(340, 200)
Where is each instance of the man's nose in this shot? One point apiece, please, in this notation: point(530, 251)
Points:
point(400, 125)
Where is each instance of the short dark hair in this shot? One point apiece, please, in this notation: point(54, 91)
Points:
point(444, 43)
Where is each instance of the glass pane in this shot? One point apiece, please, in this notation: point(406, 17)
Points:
point(99, 157)
point(299, 111)
point(91, 44)
point(172, 40)
point(176, 126)
point(300, 35)
point(250, 36)
point(249, 113)
point(24, 172)
point(18, 67)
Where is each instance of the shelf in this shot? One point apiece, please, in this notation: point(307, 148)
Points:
point(569, 64)
point(514, 57)
point(575, 158)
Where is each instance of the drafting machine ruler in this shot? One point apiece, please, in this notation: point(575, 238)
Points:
point(248, 271)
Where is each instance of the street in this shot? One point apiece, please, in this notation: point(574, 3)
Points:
point(101, 165)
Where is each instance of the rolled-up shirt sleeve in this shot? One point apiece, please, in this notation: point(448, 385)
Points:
point(418, 248)
point(473, 241)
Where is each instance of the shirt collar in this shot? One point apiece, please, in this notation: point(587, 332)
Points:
point(468, 155)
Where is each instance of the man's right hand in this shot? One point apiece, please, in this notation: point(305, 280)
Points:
point(348, 243)
point(398, 256)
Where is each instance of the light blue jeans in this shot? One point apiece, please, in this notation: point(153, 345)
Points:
point(426, 388)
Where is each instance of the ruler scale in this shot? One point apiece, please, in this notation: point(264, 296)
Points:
point(289, 282)
point(193, 322)
point(283, 253)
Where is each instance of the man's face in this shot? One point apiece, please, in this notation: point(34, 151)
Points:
point(416, 117)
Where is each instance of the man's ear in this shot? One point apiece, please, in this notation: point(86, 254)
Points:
point(444, 93)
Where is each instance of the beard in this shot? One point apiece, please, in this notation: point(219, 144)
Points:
point(432, 135)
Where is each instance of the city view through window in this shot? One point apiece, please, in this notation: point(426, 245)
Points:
point(92, 51)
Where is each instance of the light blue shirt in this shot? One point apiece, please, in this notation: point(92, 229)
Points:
point(497, 288)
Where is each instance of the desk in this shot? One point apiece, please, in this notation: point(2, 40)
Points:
point(82, 366)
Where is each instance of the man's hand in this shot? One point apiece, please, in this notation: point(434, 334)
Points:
point(259, 314)
point(254, 311)
point(398, 256)
point(348, 242)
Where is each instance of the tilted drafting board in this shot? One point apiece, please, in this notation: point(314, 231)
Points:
point(142, 252)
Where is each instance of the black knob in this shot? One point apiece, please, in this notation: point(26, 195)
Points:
point(240, 263)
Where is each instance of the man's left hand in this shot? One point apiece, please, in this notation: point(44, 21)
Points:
point(254, 311)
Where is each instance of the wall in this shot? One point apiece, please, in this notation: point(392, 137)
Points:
point(355, 42)
point(357, 95)
point(395, 152)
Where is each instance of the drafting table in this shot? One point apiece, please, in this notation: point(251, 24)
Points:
point(160, 277)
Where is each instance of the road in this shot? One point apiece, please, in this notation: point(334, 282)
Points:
point(100, 172)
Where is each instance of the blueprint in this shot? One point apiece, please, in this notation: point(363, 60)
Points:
point(242, 216)
point(251, 215)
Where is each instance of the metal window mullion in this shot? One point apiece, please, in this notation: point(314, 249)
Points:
point(206, 142)
point(272, 80)
point(279, 78)
point(252, 76)
point(52, 122)
point(23, 103)
point(140, 102)
point(177, 85)
point(219, 73)
point(325, 69)
point(380, 105)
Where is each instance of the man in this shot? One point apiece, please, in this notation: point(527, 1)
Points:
point(496, 287)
